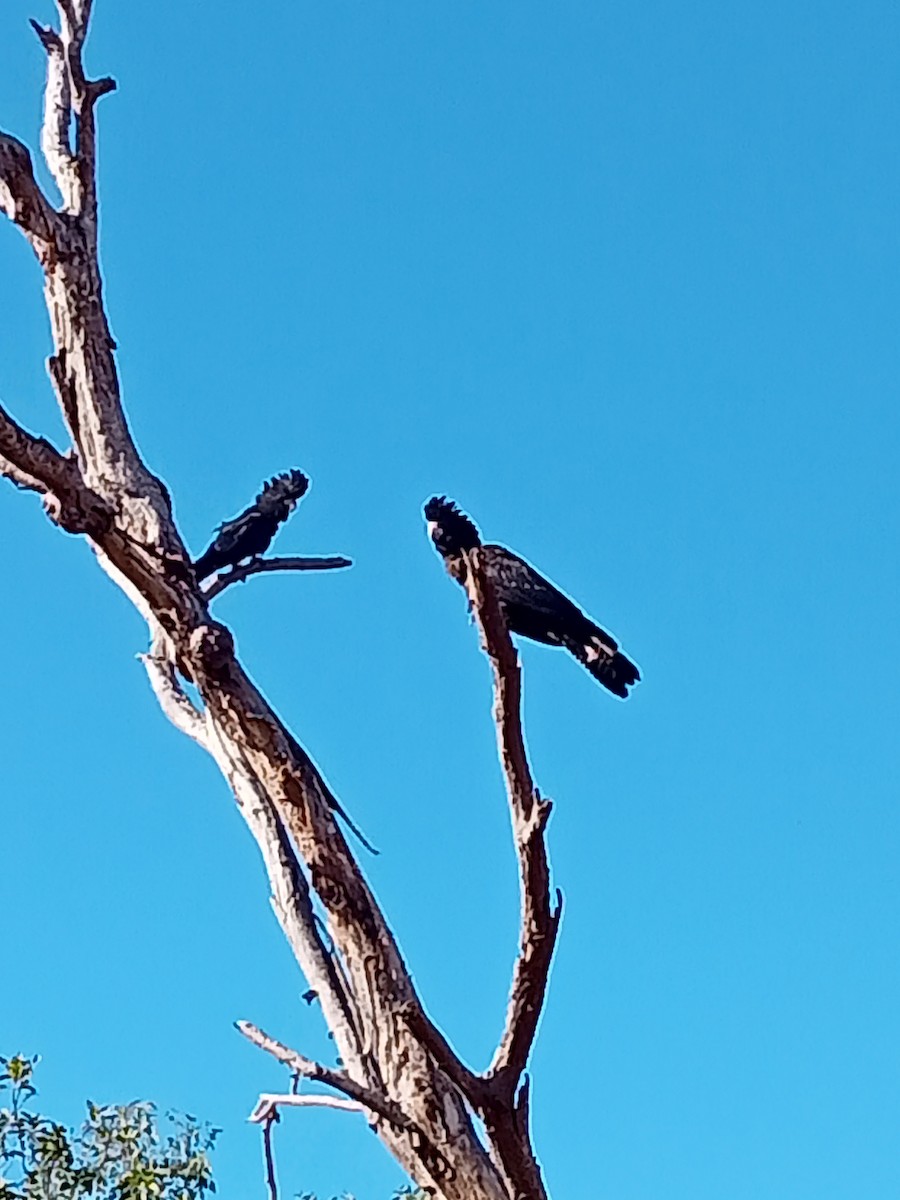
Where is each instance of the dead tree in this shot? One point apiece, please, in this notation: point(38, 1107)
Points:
point(459, 1133)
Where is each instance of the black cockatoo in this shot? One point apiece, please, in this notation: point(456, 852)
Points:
point(534, 608)
point(250, 534)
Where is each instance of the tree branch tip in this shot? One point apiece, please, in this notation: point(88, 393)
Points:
point(217, 583)
point(252, 1032)
point(47, 35)
point(98, 88)
point(19, 150)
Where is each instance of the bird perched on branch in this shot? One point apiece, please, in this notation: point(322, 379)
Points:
point(250, 534)
point(533, 607)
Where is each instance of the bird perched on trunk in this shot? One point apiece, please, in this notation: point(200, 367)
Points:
point(533, 607)
point(250, 534)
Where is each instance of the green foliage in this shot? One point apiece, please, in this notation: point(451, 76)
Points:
point(120, 1152)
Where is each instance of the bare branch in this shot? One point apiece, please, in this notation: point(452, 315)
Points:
point(375, 1102)
point(57, 118)
point(532, 969)
point(82, 95)
point(23, 201)
point(290, 900)
point(506, 1120)
point(446, 1152)
point(32, 462)
point(529, 812)
point(269, 1102)
point(21, 479)
point(172, 698)
point(497, 644)
point(35, 456)
point(269, 1153)
point(86, 140)
point(78, 13)
point(259, 566)
point(72, 11)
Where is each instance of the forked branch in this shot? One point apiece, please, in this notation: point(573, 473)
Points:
point(69, 94)
point(376, 1103)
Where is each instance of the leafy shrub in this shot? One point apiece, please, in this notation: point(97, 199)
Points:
point(121, 1152)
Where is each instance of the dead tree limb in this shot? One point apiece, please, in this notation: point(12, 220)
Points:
point(530, 813)
point(259, 566)
point(423, 1102)
point(376, 1103)
point(269, 1103)
point(507, 1116)
point(24, 202)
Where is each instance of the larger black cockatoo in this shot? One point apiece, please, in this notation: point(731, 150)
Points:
point(250, 534)
point(533, 607)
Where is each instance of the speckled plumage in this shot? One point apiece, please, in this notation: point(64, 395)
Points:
point(533, 606)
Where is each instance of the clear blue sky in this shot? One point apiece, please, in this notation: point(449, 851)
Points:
point(623, 280)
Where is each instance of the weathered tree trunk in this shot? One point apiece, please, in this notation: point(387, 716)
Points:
point(397, 1066)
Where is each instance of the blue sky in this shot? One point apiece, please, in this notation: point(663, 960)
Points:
point(623, 280)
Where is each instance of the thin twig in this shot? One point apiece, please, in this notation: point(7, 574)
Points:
point(271, 1181)
point(259, 566)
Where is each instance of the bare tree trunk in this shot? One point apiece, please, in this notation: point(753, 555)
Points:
point(398, 1068)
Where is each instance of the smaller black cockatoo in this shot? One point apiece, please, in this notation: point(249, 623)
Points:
point(250, 534)
point(533, 607)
